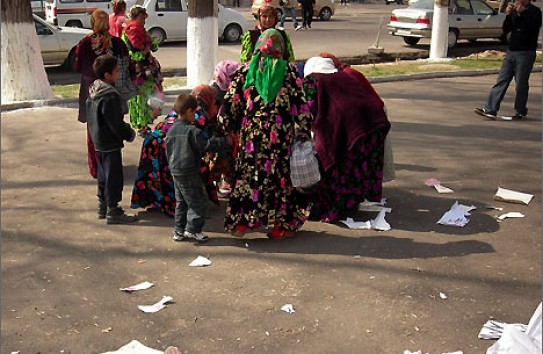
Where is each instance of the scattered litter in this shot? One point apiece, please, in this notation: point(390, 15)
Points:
point(507, 195)
point(17, 352)
point(288, 308)
point(246, 245)
point(456, 352)
point(410, 352)
point(379, 223)
point(514, 341)
point(493, 329)
point(511, 214)
point(356, 225)
point(442, 295)
point(467, 208)
point(456, 216)
point(494, 207)
point(156, 307)
point(432, 182)
point(373, 206)
point(135, 347)
point(200, 261)
point(140, 286)
point(107, 330)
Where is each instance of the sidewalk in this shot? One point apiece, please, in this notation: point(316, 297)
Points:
point(354, 291)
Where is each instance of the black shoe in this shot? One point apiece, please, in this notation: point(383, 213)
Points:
point(117, 216)
point(102, 209)
point(483, 112)
point(519, 116)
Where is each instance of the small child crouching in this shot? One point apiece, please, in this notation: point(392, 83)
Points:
point(185, 144)
point(108, 131)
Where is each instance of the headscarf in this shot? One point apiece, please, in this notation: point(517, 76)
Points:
point(338, 64)
point(267, 68)
point(205, 95)
point(224, 72)
point(100, 22)
point(119, 7)
point(270, 10)
point(319, 65)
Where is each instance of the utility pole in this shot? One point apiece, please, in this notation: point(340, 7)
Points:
point(202, 41)
point(440, 30)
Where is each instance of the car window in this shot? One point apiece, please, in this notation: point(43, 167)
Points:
point(41, 29)
point(481, 8)
point(70, 1)
point(423, 4)
point(169, 5)
point(98, 0)
point(463, 8)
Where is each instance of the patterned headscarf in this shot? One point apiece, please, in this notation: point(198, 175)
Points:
point(224, 72)
point(268, 10)
point(99, 22)
point(267, 68)
point(205, 95)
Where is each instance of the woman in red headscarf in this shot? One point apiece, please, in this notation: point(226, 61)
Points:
point(266, 105)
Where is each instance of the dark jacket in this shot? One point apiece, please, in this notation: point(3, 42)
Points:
point(524, 28)
point(185, 145)
point(105, 118)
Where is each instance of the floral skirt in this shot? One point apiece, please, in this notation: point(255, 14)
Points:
point(358, 176)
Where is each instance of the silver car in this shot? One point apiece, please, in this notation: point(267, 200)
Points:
point(468, 19)
point(58, 44)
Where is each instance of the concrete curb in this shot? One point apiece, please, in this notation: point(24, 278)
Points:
point(59, 102)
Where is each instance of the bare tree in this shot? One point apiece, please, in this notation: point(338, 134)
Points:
point(202, 41)
point(23, 73)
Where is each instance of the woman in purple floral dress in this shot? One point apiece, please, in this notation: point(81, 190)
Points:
point(266, 105)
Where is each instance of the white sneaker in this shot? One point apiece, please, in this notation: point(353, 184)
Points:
point(299, 28)
point(199, 236)
point(179, 236)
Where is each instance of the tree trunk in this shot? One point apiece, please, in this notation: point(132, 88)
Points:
point(23, 73)
point(440, 30)
point(202, 41)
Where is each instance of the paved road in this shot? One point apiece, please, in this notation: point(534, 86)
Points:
point(354, 291)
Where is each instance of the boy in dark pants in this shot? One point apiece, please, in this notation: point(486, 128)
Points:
point(105, 112)
point(185, 144)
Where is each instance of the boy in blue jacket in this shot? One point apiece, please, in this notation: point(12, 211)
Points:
point(105, 113)
point(185, 144)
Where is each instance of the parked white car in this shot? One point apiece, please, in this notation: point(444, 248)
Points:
point(468, 19)
point(167, 21)
point(58, 44)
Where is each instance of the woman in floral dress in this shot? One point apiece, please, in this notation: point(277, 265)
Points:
point(267, 106)
point(350, 129)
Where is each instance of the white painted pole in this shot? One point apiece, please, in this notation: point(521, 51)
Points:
point(202, 48)
point(440, 30)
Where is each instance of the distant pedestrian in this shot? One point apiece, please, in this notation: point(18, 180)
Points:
point(523, 21)
point(289, 6)
point(105, 113)
point(117, 18)
point(236, 3)
point(307, 13)
point(344, 2)
point(185, 144)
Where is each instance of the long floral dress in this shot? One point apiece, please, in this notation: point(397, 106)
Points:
point(357, 176)
point(263, 193)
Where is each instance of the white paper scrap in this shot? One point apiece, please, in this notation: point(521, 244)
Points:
point(200, 261)
point(507, 195)
point(493, 329)
point(373, 206)
point(410, 352)
point(156, 307)
point(288, 308)
point(456, 216)
point(135, 347)
point(456, 352)
point(379, 223)
point(442, 295)
point(442, 189)
point(511, 214)
point(140, 286)
point(356, 225)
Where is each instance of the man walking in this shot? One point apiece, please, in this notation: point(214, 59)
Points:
point(523, 21)
point(289, 6)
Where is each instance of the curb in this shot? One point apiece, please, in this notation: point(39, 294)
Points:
point(59, 102)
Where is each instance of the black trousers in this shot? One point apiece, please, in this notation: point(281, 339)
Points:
point(110, 177)
point(307, 14)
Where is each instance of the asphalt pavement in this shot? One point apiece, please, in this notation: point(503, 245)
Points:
point(354, 291)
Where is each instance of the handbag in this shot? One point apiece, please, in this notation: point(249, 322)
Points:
point(124, 84)
point(304, 166)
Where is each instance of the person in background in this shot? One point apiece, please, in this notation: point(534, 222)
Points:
point(108, 131)
point(267, 18)
point(224, 71)
point(185, 144)
point(266, 105)
point(117, 18)
point(522, 21)
point(307, 13)
point(289, 6)
point(148, 76)
point(96, 43)
point(350, 128)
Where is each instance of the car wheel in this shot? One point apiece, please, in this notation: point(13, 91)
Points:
point(74, 23)
point(411, 40)
point(70, 60)
point(325, 14)
point(158, 34)
point(232, 33)
point(452, 38)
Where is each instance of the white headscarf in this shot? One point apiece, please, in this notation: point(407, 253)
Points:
point(319, 65)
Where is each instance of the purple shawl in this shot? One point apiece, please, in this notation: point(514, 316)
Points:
point(346, 112)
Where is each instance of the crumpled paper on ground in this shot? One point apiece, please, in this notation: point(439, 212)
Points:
point(141, 286)
point(379, 223)
point(135, 347)
point(432, 182)
point(200, 261)
point(511, 214)
point(456, 216)
point(288, 308)
point(156, 307)
point(511, 196)
point(493, 329)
